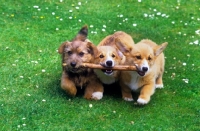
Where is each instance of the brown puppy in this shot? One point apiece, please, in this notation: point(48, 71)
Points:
point(109, 56)
point(147, 56)
point(74, 53)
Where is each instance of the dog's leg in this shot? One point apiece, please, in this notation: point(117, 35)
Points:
point(94, 90)
point(145, 94)
point(98, 92)
point(126, 92)
point(159, 82)
point(68, 85)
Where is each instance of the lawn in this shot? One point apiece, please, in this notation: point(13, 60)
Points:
point(30, 67)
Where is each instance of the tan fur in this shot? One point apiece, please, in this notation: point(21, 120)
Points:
point(108, 52)
point(147, 56)
point(74, 53)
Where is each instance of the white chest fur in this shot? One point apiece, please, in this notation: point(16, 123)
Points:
point(134, 83)
point(104, 78)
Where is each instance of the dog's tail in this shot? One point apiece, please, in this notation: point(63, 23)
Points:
point(82, 34)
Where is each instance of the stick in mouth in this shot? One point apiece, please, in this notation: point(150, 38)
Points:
point(117, 67)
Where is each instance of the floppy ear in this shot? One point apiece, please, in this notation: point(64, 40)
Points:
point(61, 48)
point(82, 34)
point(92, 48)
point(160, 48)
point(123, 47)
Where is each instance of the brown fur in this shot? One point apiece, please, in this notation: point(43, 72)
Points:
point(147, 56)
point(74, 53)
point(108, 56)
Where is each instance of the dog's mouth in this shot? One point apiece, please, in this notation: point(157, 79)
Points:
point(141, 73)
point(107, 71)
point(74, 70)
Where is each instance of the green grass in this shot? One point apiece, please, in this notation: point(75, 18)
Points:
point(30, 67)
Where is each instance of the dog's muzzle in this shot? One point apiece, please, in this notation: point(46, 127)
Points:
point(143, 71)
point(108, 64)
point(107, 71)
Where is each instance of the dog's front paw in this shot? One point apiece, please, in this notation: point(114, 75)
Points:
point(141, 101)
point(128, 99)
point(159, 86)
point(70, 90)
point(97, 95)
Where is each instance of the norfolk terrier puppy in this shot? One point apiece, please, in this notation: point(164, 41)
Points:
point(74, 76)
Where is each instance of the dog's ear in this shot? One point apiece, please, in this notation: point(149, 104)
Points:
point(160, 48)
point(62, 46)
point(120, 54)
point(92, 48)
point(82, 34)
point(123, 47)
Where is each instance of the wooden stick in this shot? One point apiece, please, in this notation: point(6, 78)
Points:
point(118, 67)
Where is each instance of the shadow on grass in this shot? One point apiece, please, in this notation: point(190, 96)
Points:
point(112, 91)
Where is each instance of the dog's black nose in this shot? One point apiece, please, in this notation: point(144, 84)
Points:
point(73, 64)
point(145, 69)
point(109, 63)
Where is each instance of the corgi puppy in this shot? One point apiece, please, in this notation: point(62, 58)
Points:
point(147, 56)
point(109, 56)
point(74, 76)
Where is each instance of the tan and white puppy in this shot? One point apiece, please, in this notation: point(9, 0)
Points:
point(109, 56)
point(147, 56)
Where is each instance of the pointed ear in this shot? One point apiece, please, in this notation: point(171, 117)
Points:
point(82, 34)
point(92, 48)
point(61, 48)
point(120, 54)
point(123, 47)
point(160, 48)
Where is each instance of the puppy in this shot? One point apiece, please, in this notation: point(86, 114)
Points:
point(109, 56)
point(74, 53)
point(147, 56)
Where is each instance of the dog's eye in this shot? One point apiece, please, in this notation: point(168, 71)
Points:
point(138, 57)
point(113, 55)
point(69, 52)
point(101, 56)
point(81, 54)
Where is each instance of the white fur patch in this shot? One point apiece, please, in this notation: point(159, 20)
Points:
point(145, 64)
point(97, 95)
point(159, 86)
point(109, 58)
point(141, 101)
point(128, 99)
point(133, 84)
